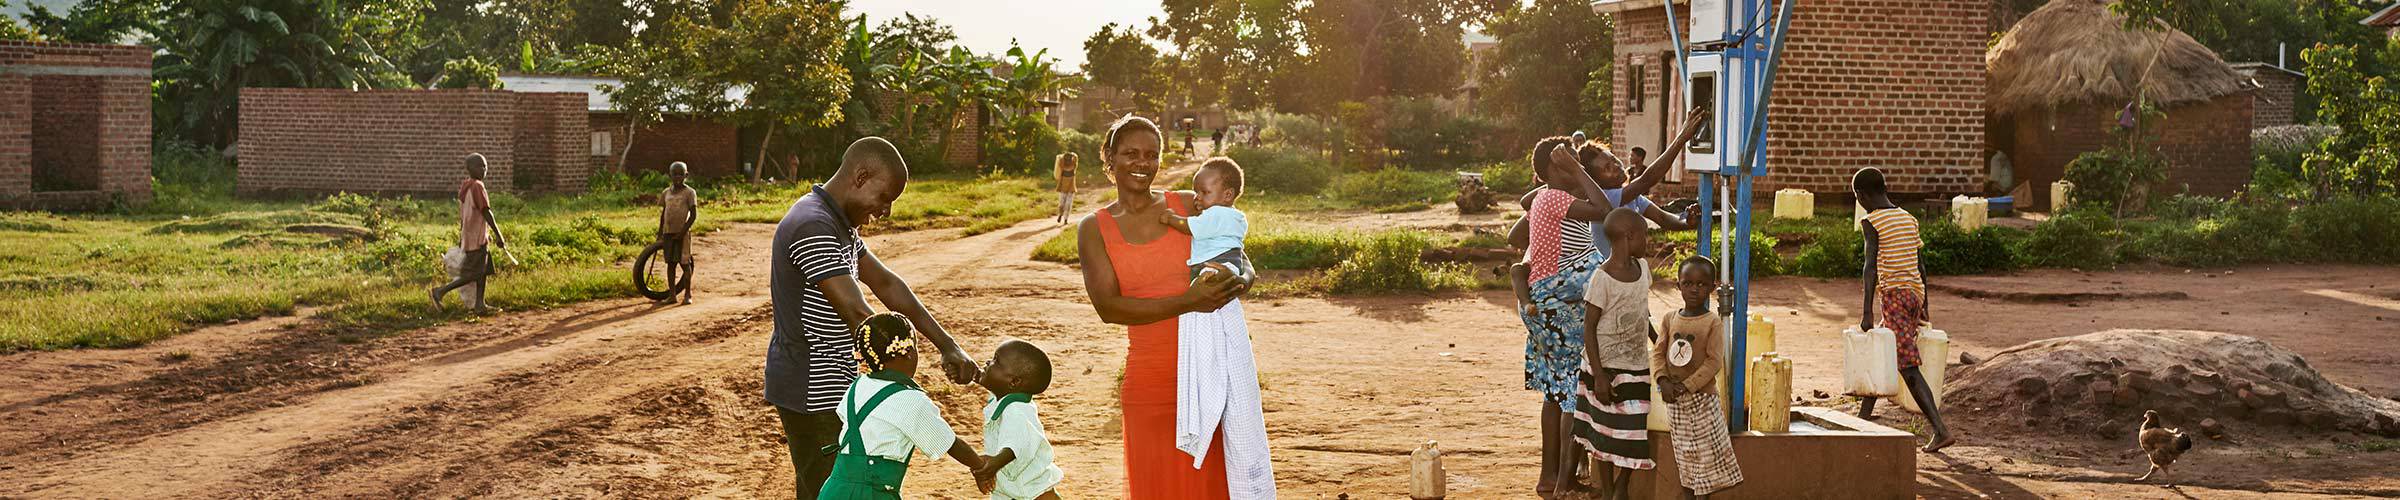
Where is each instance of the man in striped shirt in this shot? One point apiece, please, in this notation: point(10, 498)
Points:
point(818, 263)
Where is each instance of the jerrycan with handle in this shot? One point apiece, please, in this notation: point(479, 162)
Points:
point(1426, 478)
point(1770, 395)
point(1870, 363)
point(1933, 348)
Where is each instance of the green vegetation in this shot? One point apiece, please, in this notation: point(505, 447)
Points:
point(1062, 247)
point(1283, 170)
point(1392, 262)
point(1393, 190)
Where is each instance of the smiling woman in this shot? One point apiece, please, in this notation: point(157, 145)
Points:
point(1134, 271)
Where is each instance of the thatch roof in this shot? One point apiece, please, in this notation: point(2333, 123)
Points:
point(2077, 52)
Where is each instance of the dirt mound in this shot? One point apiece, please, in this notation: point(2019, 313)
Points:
point(2100, 383)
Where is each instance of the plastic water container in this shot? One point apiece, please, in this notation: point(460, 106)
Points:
point(1770, 393)
point(1970, 213)
point(1795, 204)
point(2061, 196)
point(1762, 335)
point(1858, 215)
point(1933, 347)
point(1870, 363)
point(1426, 478)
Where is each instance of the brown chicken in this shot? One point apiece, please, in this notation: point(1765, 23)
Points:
point(2161, 443)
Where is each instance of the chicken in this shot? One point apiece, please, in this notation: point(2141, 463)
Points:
point(2163, 444)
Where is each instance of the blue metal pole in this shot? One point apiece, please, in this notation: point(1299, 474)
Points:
point(1756, 156)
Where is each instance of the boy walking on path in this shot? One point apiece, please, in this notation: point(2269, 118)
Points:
point(1895, 288)
point(474, 219)
point(816, 268)
point(679, 210)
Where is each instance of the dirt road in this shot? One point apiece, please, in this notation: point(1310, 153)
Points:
point(622, 398)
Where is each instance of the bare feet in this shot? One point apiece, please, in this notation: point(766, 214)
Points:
point(1940, 441)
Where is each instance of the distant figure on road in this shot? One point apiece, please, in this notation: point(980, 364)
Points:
point(1216, 142)
point(474, 218)
point(817, 265)
point(1064, 169)
point(679, 209)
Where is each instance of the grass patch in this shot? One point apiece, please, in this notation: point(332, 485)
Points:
point(1062, 247)
point(2372, 445)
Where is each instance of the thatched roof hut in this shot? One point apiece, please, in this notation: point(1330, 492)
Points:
point(2058, 79)
point(2077, 52)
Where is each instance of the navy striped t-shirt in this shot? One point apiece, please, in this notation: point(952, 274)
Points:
point(812, 357)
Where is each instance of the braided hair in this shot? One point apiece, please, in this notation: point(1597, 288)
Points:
point(884, 337)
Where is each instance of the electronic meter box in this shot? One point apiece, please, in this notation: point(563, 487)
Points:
point(1708, 79)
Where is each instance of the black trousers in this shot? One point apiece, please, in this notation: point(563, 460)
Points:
point(807, 434)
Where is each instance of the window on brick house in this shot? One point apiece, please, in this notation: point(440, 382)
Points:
point(1640, 82)
point(600, 143)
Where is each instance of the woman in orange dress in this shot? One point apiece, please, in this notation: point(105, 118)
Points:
point(1133, 269)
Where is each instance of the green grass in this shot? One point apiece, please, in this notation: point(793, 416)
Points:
point(1061, 247)
point(199, 256)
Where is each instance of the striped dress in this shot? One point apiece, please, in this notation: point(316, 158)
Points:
point(1899, 287)
point(1617, 432)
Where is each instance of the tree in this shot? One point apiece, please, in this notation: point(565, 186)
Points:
point(1407, 48)
point(95, 21)
point(1230, 49)
point(11, 31)
point(227, 45)
point(774, 63)
point(2256, 30)
point(1551, 72)
point(2364, 159)
point(1117, 57)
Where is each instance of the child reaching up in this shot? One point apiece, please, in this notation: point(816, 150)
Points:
point(1019, 467)
point(1613, 394)
point(885, 417)
point(1689, 354)
point(1216, 374)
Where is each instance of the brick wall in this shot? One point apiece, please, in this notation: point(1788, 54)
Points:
point(74, 125)
point(2271, 104)
point(381, 141)
point(2207, 145)
point(553, 142)
point(708, 147)
point(966, 146)
point(1897, 85)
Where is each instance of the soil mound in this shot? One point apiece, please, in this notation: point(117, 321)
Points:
point(2099, 383)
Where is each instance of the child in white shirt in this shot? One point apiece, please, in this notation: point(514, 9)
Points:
point(1020, 466)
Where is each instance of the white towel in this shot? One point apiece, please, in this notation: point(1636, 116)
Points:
point(1216, 387)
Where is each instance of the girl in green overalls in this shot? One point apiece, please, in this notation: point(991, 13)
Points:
point(885, 417)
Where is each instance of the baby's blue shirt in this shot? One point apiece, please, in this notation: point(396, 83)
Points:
point(1215, 231)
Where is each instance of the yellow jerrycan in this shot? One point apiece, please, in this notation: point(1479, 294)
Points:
point(1770, 393)
point(1933, 348)
point(1426, 478)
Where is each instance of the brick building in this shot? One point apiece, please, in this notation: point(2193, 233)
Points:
point(409, 141)
point(74, 125)
point(1863, 83)
point(2271, 105)
point(2060, 77)
point(710, 148)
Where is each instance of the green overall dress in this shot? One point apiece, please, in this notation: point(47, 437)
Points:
point(857, 475)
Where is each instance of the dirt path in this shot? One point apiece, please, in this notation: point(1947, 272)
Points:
point(622, 398)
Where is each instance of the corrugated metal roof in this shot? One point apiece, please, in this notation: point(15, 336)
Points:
point(596, 100)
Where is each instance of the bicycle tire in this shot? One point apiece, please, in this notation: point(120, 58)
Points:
point(641, 278)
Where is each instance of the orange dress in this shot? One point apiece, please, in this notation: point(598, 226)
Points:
point(1154, 468)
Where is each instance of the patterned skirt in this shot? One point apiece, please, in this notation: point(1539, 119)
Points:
point(1619, 432)
point(1703, 452)
point(1902, 310)
point(1554, 333)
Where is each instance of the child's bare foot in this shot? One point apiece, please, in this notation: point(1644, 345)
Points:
point(1940, 441)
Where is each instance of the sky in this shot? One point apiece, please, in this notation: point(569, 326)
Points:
point(986, 26)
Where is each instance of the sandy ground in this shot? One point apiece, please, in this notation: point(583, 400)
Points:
point(621, 398)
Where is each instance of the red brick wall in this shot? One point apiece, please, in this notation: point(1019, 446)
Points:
point(74, 117)
point(412, 141)
point(553, 142)
point(2272, 104)
point(2207, 145)
point(1897, 85)
point(706, 146)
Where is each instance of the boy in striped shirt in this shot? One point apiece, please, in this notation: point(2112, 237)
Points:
point(1895, 287)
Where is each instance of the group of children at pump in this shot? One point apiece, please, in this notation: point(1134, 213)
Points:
point(1593, 350)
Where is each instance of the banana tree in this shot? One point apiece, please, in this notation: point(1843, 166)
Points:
point(227, 45)
point(959, 80)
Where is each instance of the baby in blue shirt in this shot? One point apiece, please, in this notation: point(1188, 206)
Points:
point(1218, 229)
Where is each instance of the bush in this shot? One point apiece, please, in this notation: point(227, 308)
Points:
point(1300, 249)
point(1508, 177)
point(2188, 207)
point(469, 73)
point(2116, 178)
point(1023, 144)
point(1394, 261)
point(1393, 190)
point(1428, 137)
point(2280, 151)
point(1282, 169)
point(1833, 254)
point(1950, 250)
point(2236, 235)
point(2350, 230)
point(1084, 145)
point(2079, 238)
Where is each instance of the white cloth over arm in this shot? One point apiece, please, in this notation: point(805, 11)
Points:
point(1216, 390)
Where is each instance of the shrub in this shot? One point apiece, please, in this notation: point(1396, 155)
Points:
point(2280, 151)
point(2188, 207)
point(2079, 238)
point(469, 73)
point(1300, 249)
point(1082, 144)
point(1508, 177)
point(2350, 230)
point(1393, 261)
point(1281, 169)
point(1024, 144)
point(1950, 250)
point(1393, 189)
point(1835, 253)
point(2116, 178)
